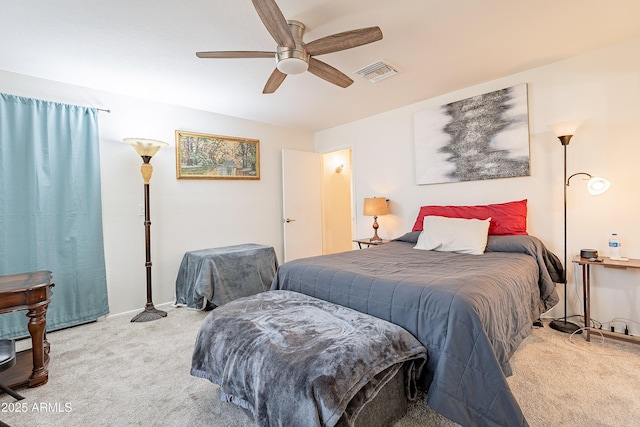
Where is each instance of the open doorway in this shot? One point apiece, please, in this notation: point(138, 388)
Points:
point(337, 202)
point(317, 203)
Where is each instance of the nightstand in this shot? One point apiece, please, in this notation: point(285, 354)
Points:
point(368, 242)
point(605, 262)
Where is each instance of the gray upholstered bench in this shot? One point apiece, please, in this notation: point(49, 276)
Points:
point(295, 360)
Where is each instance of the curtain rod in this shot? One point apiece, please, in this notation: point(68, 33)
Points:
point(102, 109)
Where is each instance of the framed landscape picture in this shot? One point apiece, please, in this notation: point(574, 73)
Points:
point(203, 156)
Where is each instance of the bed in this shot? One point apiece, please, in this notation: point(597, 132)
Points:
point(469, 311)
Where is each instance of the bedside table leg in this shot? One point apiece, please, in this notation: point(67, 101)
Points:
point(586, 291)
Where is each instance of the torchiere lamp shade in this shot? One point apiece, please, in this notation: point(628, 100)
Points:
point(145, 147)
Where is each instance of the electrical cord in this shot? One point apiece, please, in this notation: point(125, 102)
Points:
point(596, 323)
point(562, 317)
point(579, 331)
point(580, 344)
point(621, 320)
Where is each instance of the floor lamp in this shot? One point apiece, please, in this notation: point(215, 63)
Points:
point(595, 186)
point(146, 148)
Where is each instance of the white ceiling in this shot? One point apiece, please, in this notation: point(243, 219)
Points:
point(146, 49)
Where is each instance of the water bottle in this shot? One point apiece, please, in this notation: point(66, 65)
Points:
point(614, 247)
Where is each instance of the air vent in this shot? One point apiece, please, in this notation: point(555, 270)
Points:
point(377, 71)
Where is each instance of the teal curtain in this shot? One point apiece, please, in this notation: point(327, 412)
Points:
point(50, 207)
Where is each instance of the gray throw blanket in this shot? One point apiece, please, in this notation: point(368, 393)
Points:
point(294, 360)
point(219, 275)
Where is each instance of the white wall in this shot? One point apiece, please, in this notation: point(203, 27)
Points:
point(601, 88)
point(185, 214)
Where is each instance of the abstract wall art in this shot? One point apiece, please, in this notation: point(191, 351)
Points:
point(478, 138)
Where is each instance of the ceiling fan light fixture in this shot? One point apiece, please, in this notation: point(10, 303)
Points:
point(292, 65)
point(293, 60)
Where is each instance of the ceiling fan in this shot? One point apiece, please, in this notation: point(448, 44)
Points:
point(292, 55)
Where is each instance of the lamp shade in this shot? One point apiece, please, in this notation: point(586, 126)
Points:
point(145, 147)
point(597, 185)
point(375, 206)
point(565, 128)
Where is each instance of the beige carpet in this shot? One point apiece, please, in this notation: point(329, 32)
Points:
point(117, 373)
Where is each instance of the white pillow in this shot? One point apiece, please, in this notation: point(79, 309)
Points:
point(465, 236)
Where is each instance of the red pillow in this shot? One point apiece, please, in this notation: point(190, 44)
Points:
point(506, 218)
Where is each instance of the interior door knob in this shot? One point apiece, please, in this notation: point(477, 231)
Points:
point(288, 220)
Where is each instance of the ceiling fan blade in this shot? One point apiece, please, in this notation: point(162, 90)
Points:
point(274, 20)
point(328, 73)
point(345, 40)
point(236, 54)
point(275, 80)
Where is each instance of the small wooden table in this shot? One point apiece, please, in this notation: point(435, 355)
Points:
point(368, 242)
point(586, 290)
point(32, 292)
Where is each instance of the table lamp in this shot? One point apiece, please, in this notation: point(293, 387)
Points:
point(375, 206)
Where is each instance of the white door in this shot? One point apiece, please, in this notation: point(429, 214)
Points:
point(302, 200)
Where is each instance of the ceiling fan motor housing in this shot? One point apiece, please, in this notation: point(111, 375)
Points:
point(293, 60)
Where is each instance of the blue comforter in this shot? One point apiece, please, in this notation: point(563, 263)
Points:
point(469, 311)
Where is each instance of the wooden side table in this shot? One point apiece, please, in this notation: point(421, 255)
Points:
point(32, 292)
point(368, 242)
point(586, 290)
